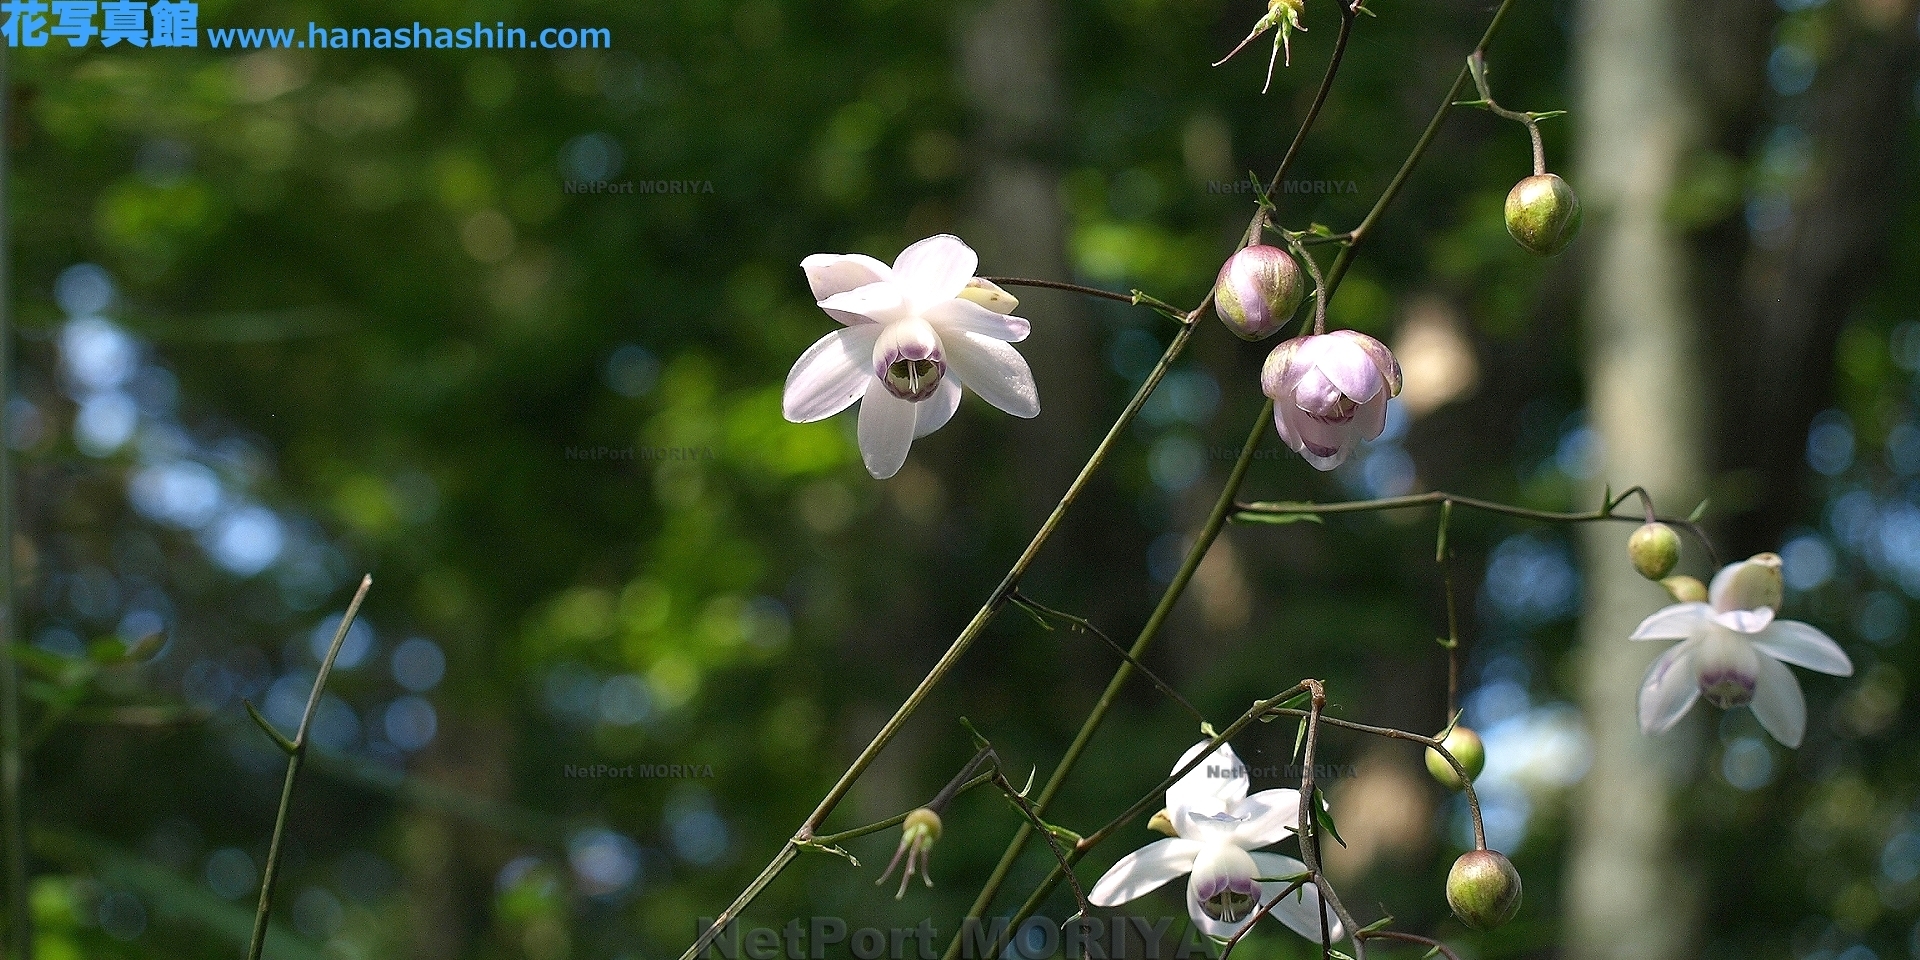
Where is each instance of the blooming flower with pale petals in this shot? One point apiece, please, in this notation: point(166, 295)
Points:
point(915, 333)
point(1217, 826)
point(1330, 392)
point(1734, 652)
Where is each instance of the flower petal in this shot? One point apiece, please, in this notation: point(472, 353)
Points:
point(886, 432)
point(933, 413)
point(1745, 621)
point(1143, 871)
point(1676, 622)
point(881, 302)
point(1300, 911)
point(1804, 646)
point(995, 371)
point(1269, 816)
point(935, 269)
point(831, 375)
point(1213, 787)
point(1316, 393)
point(1670, 688)
point(831, 273)
point(1370, 421)
point(1383, 359)
point(1280, 372)
point(965, 315)
point(1351, 367)
point(1324, 445)
point(1778, 703)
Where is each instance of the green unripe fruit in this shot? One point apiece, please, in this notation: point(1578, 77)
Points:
point(1543, 214)
point(1483, 889)
point(1654, 549)
point(1466, 747)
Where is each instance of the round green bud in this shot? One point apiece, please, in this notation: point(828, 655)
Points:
point(1686, 589)
point(922, 824)
point(1543, 214)
point(1654, 549)
point(1483, 889)
point(1466, 747)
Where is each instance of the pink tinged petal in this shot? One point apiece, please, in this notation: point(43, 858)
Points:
point(935, 269)
point(898, 356)
point(1670, 688)
point(831, 273)
point(965, 316)
point(1223, 892)
point(1745, 621)
point(933, 413)
point(1803, 646)
point(1143, 871)
point(1371, 419)
point(886, 432)
point(1300, 911)
point(1350, 366)
point(1728, 666)
point(1316, 393)
point(1778, 703)
point(988, 294)
point(1677, 622)
point(831, 375)
point(874, 303)
point(1383, 359)
point(1324, 445)
point(1280, 371)
point(996, 372)
point(1267, 817)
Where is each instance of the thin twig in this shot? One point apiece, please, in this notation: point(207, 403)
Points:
point(1059, 285)
point(1087, 626)
point(296, 750)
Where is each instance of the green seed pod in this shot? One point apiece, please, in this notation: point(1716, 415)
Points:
point(1543, 214)
point(1686, 589)
point(1466, 747)
point(1654, 549)
point(1483, 889)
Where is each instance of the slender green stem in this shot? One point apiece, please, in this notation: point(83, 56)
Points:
point(985, 615)
point(1359, 234)
point(1058, 285)
point(1255, 511)
point(12, 762)
point(295, 755)
point(1216, 521)
point(895, 820)
point(1042, 610)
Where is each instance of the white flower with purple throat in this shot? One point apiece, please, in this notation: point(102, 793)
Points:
point(1734, 651)
point(916, 332)
point(1218, 829)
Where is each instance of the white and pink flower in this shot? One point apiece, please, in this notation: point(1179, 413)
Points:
point(1734, 651)
point(1330, 392)
point(917, 331)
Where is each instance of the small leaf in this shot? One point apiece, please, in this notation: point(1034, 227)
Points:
point(1325, 816)
point(1206, 729)
point(1300, 738)
point(1067, 838)
point(833, 848)
point(1547, 114)
point(1432, 952)
point(979, 742)
point(1031, 612)
point(1698, 512)
point(284, 744)
point(1380, 924)
point(1277, 518)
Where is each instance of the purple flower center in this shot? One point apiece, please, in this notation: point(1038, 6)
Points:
point(1727, 688)
point(913, 379)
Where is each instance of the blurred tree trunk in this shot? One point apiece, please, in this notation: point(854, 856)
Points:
point(1625, 895)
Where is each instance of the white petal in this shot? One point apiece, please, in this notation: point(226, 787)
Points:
point(831, 273)
point(1745, 621)
point(1219, 782)
point(1316, 393)
point(1323, 445)
point(995, 371)
point(1804, 646)
point(831, 375)
point(933, 413)
point(1370, 421)
point(1778, 703)
point(881, 302)
point(1671, 687)
point(1269, 816)
point(1143, 871)
point(886, 432)
point(1217, 866)
point(1676, 622)
point(1300, 911)
point(965, 315)
point(935, 269)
